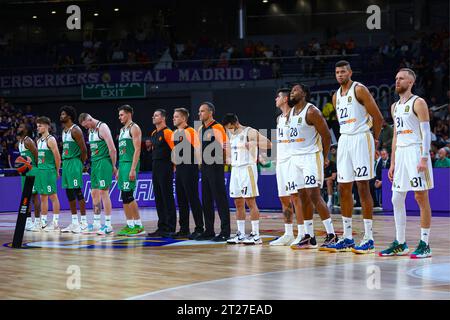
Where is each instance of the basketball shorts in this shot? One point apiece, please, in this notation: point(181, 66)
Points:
point(32, 172)
point(307, 170)
point(72, 173)
point(244, 182)
point(355, 157)
point(101, 174)
point(406, 176)
point(285, 180)
point(124, 177)
point(46, 181)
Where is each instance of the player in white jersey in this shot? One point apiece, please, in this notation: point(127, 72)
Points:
point(357, 113)
point(310, 141)
point(287, 187)
point(411, 168)
point(244, 144)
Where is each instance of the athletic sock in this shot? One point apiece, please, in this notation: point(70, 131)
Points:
point(301, 230)
point(309, 227)
point(347, 222)
point(255, 227)
point(75, 219)
point(138, 222)
point(288, 229)
point(368, 234)
point(241, 226)
point(424, 235)
point(96, 219)
point(83, 219)
point(108, 221)
point(29, 220)
point(130, 223)
point(55, 218)
point(44, 219)
point(328, 224)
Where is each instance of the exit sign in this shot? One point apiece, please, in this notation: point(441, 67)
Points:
point(113, 91)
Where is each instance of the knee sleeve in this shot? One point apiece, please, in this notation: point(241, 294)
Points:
point(71, 195)
point(79, 194)
point(127, 197)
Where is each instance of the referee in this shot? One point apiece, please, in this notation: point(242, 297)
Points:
point(162, 176)
point(187, 144)
point(214, 141)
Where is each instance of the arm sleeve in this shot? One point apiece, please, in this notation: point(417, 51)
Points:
point(168, 136)
point(426, 138)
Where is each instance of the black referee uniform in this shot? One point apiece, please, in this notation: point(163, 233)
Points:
point(186, 180)
point(213, 179)
point(162, 176)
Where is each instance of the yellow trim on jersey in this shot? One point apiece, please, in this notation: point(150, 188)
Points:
point(252, 181)
point(319, 166)
point(318, 142)
point(370, 153)
point(369, 121)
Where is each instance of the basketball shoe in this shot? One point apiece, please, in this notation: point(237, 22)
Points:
point(70, 228)
point(395, 249)
point(307, 242)
point(104, 230)
point(343, 245)
point(52, 227)
point(330, 240)
point(366, 246)
point(423, 250)
point(252, 239)
point(239, 238)
point(284, 240)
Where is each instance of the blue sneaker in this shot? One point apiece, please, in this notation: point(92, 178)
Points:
point(343, 245)
point(366, 246)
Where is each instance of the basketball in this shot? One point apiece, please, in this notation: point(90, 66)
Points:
point(22, 165)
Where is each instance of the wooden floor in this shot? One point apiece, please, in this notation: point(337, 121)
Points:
point(150, 268)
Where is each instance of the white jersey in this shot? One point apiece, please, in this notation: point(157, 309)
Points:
point(352, 116)
point(283, 152)
point(240, 155)
point(407, 125)
point(67, 135)
point(94, 134)
point(22, 148)
point(303, 138)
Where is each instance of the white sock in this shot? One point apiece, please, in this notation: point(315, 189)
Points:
point(44, 218)
point(108, 220)
point(241, 226)
point(96, 219)
point(347, 222)
point(83, 219)
point(309, 227)
point(29, 220)
point(138, 222)
point(130, 223)
point(328, 224)
point(255, 227)
point(398, 203)
point(75, 219)
point(56, 218)
point(288, 229)
point(301, 230)
point(424, 235)
point(37, 220)
point(368, 233)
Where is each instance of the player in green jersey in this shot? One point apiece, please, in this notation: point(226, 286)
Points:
point(49, 163)
point(28, 150)
point(129, 152)
point(103, 166)
point(73, 156)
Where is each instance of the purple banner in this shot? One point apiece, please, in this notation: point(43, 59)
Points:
point(10, 189)
point(439, 195)
point(14, 81)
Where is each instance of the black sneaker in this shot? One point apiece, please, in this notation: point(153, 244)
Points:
point(330, 240)
point(194, 235)
point(155, 234)
point(181, 235)
point(205, 237)
point(307, 242)
point(220, 238)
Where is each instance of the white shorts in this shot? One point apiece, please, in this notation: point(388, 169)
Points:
point(244, 182)
point(406, 177)
point(355, 157)
point(308, 170)
point(285, 180)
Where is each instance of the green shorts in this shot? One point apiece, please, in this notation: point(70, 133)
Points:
point(72, 173)
point(101, 174)
point(124, 173)
point(32, 172)
point(46, 181)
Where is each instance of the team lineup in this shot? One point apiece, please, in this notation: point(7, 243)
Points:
point(303, 142)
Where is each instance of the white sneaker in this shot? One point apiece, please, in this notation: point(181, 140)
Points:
point(52, 227)
point(104, 230)
point(29, 225)
point(44, 224)
point(80, 228)
point(91, 229)
point(284, 240)
point(297, 240)
point(70, 228)
point(252, 239)
point(36, 227)
point(239, 238)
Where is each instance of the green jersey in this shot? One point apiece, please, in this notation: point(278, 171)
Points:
point(24, 152)
point(46, 159)
point(71, 149)
point(99, 148)
point(126, 147)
